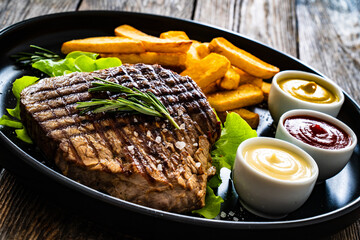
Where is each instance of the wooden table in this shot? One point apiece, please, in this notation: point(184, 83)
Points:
point(324, 34)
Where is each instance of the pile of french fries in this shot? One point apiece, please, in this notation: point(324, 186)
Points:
point(231, 78)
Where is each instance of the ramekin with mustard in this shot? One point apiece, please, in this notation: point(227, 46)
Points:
point(303, 90)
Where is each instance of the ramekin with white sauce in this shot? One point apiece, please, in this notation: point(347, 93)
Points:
point(273, 177)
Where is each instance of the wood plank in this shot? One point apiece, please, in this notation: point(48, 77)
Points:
point(218, 13)
point(329, 40)
point(174, 8)
point(25, 214)
point(13, 11)
point(270, 22)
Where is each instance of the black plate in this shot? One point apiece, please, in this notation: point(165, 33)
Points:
point(332, 205)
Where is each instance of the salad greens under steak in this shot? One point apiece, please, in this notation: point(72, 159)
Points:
point(234, 131)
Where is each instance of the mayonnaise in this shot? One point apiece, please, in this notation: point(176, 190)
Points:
point(277, 162)
point(308, 91)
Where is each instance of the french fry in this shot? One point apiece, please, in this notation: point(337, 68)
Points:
point(203, 49)
point(247, 78)
point(244, 76)
point(208, 70)
point(250, 117)
point(266, 90)
point(244, 95)
point(175, 35)
point(242, 59)
point(192, 55)
point(257, 82)
point(213, 87)
point(231, 80)
point(165, 59)
point(151, 43)
point(103, 44)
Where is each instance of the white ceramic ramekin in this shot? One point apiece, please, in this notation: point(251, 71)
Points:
point(280, 102)
point(267, 196)
point(329, 161)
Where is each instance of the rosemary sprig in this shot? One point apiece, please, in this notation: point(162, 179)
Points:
point(28, 58)
point(135, 101)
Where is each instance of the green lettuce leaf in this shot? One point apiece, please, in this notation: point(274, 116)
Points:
point(76, 61)
point(22, 135)
point(212, 205)
point(85, 64)
point(103, 63)
point(76, 54)
point(9, 122)
point(234, 132)
point(14, 121)
point(18, 85)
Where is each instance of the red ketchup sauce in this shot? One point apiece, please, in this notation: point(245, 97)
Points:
point(317, 132)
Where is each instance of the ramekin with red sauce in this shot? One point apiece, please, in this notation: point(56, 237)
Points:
point(328, 140)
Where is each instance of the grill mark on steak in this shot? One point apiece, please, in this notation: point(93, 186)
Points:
point(44, 116)
point(134, 157)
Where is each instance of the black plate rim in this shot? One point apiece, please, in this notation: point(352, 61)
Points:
point(214, 223)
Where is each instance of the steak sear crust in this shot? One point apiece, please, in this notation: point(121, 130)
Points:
point(138, 158)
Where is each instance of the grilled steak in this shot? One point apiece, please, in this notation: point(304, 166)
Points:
point(138, 158)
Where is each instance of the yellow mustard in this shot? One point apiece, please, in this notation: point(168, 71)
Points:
point(308, 91)
point(277, 162)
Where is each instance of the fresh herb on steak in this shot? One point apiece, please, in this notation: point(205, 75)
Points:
point(27, 58)
point(136, 101)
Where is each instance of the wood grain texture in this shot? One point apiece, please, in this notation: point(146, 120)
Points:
point(329, 40)
point(270, 22)
point(26, 214)
point(17, 10)
point(219, 13)
point(174, 8)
